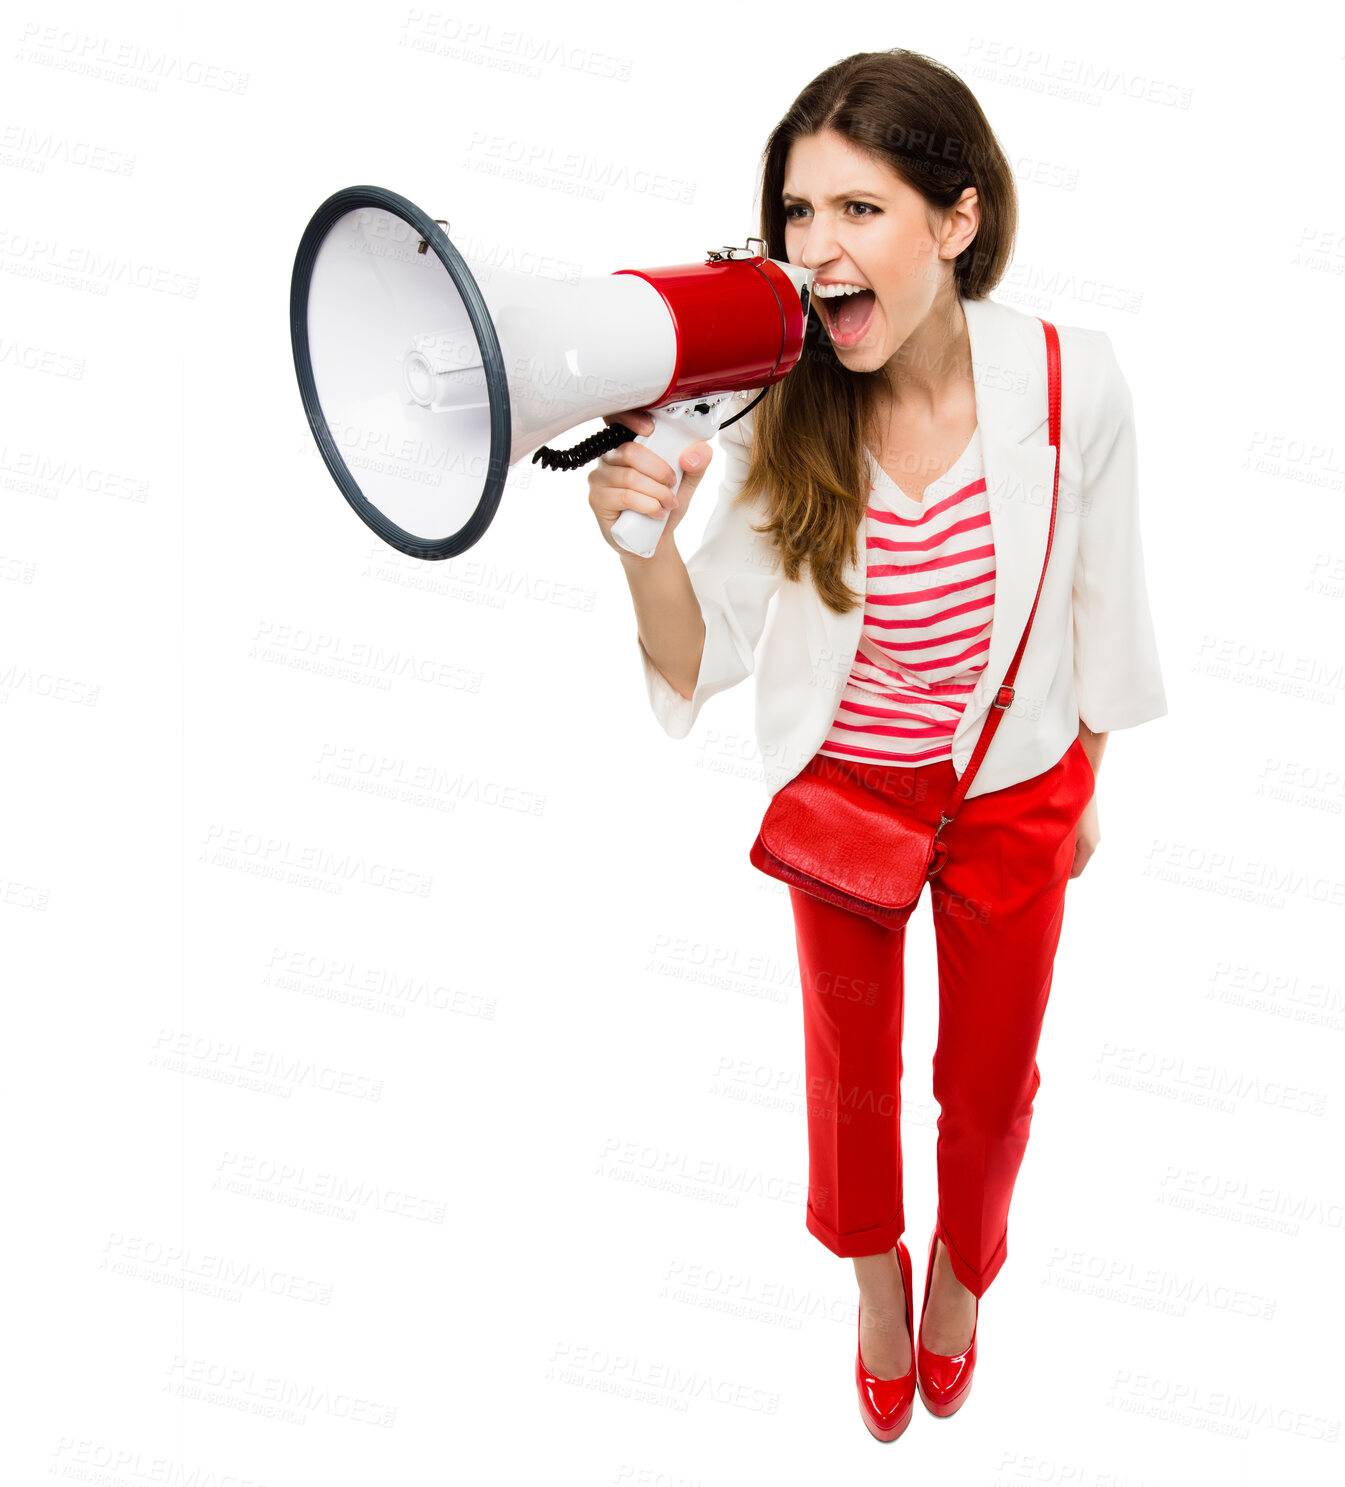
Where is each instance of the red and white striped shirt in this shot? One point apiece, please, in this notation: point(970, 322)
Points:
point(926, 635)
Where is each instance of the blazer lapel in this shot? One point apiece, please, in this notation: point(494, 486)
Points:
point(1008, 357)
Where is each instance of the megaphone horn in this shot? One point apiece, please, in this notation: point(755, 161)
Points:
point(441, 372)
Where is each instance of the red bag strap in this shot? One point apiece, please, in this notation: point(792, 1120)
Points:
point(1004, 697)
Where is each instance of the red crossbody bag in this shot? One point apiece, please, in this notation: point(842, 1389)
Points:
point(827, 835)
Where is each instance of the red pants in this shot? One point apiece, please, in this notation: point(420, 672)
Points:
point(998, 905)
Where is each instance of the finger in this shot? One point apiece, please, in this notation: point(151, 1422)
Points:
point(631, 480)
point(647, 505)
point(696, 457)
point(640, 458)
point(634, 419)
point(611, 489)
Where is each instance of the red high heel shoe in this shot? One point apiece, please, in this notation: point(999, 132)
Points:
point(886, 1405)
point(944, 1379)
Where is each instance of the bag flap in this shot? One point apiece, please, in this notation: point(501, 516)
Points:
point(832, 829)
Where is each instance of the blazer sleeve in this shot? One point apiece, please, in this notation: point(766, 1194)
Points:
point(1118, 681)
point(734, 572)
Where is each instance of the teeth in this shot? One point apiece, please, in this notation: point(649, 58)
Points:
point(835, 291)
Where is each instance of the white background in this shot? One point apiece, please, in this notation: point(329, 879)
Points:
point(343, 1183)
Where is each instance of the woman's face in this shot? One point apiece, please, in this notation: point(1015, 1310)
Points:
point(853, 220)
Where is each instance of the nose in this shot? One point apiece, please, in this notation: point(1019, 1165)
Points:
point(819, 243)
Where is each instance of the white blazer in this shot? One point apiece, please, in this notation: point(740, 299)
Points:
point(1091, 653)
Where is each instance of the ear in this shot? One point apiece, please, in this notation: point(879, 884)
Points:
point(961, 222)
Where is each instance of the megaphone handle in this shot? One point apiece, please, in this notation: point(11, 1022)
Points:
point(676, 427)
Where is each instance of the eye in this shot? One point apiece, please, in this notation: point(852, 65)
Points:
point(868, 210)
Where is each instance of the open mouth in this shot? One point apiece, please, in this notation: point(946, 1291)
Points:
point(846, 311)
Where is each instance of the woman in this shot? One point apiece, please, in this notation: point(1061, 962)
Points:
point(915, 423)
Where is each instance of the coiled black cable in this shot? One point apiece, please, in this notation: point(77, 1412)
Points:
point(612, 437)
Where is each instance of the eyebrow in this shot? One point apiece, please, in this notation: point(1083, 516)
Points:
point(840, 196)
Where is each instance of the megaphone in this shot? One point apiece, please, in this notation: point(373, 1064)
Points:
point(425, 375)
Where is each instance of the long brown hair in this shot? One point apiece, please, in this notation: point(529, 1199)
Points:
point(807, 447)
